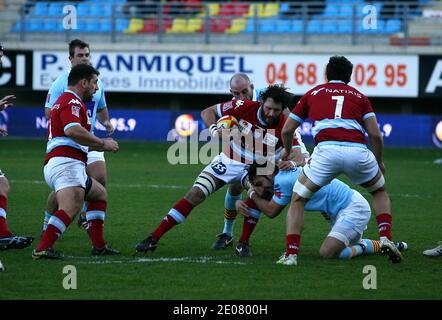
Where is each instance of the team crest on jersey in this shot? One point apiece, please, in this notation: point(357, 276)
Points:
point(227, 106)
point(245, 127)
point(56, 106)
point(74, 101)
point(277, 191)
point(76, 111)
point(238, 103)
point(270, 140)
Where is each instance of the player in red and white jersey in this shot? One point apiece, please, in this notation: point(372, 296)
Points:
point(341, 115)
point(261, 124)
point(69, 140)
point(242, 88)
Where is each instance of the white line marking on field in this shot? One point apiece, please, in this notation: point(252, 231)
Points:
point(89, 260)
point(114, 185)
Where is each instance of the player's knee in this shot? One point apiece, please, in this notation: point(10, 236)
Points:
point(327, 252)
point(4, 187)
point(235, 189)
point(204, 186)
point(377, 185)
point(195, 196)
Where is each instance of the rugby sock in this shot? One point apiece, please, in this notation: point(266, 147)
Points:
point(247, 229)
point(293, 241)
point(176, 215)
point(230, 212)
point(4, 231)
point(249, 222)
point(95, 217)
point(384, 225)
point(351, 252)
point(56, 226)
point(371, 246)
point(46, 220)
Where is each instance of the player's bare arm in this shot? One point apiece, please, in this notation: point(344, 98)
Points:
point(6, 102)
point(376, 140)
point(287, 136)
point(270, 208)
point(103, 117)
point(209, 116)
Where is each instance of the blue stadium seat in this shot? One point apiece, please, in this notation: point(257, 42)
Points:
point(267, 25)
point(105, 25)
point(35, 25)
point(345, 26)
point(314, 26)
point(121, 24)
point(297, 26)
point(393, 25)
point(284, 25)
point(249, 25)
point(331, 10)
point(55, 8)
point(329, 26)
point(41, 8)
point(83, 9)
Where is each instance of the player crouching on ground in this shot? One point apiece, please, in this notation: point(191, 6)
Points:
point(345, 209)
point(65, 165)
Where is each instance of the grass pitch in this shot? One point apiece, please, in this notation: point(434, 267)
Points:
point(143, 186)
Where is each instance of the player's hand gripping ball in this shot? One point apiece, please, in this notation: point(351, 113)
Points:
point(227, 122)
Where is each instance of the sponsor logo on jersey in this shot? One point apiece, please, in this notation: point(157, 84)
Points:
point(74, 101)
point(270, 140)
point(315, 92)
point(227, 106)
point(245, 127)
point(277, 191)
point(238, 103)
point(76, 111)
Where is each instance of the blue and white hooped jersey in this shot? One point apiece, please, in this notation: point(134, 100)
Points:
point(61, 84)
point(330, 199)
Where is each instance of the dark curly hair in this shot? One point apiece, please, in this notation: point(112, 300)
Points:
point(278, 93)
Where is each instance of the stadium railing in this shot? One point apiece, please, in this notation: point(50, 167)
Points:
point(306, 22)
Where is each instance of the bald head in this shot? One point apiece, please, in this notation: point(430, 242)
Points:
point(241, 87)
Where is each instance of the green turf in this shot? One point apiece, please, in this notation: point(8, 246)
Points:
point(143, 186)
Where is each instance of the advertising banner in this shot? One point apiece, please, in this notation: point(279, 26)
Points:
point(373, 75)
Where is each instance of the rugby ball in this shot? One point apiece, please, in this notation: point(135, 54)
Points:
point(227, 122)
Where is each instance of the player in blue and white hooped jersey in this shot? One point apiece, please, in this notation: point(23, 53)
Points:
point(347, 211)
point(79, 53)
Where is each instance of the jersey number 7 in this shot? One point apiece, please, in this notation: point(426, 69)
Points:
point(339, 104)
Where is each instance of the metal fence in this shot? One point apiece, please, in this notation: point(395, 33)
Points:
point(301, 22)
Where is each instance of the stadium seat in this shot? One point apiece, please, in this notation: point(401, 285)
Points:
point(250, 26)
point(329, 26)
point(55, 8)
point(344, 26)
point(135, 25)
point(179, 25)
point(314, 26)
point(284, 25)
point(219, 25)
point(195, 25)
point(297, 26)
point(238, 25)
point(267, 25)
point(41, 8)
point(105, 25)
point(35, 25)
point(83, 9)
point(392, 26)
point(121, 24)
point(259, 7)
point(213, 9)
point(149, 26)
point(331, 10)
point(271, 10)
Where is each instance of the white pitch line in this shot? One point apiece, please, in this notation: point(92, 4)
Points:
point(83, 260)
point(115, 185)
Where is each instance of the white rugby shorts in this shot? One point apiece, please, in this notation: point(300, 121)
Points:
point(64, 172)
point(329, 161)
point(226, 169)
point(351, 221)
point(93, 156)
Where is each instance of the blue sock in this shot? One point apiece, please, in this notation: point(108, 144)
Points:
point(46, 220)
point(351, 252)
point(229, 212)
